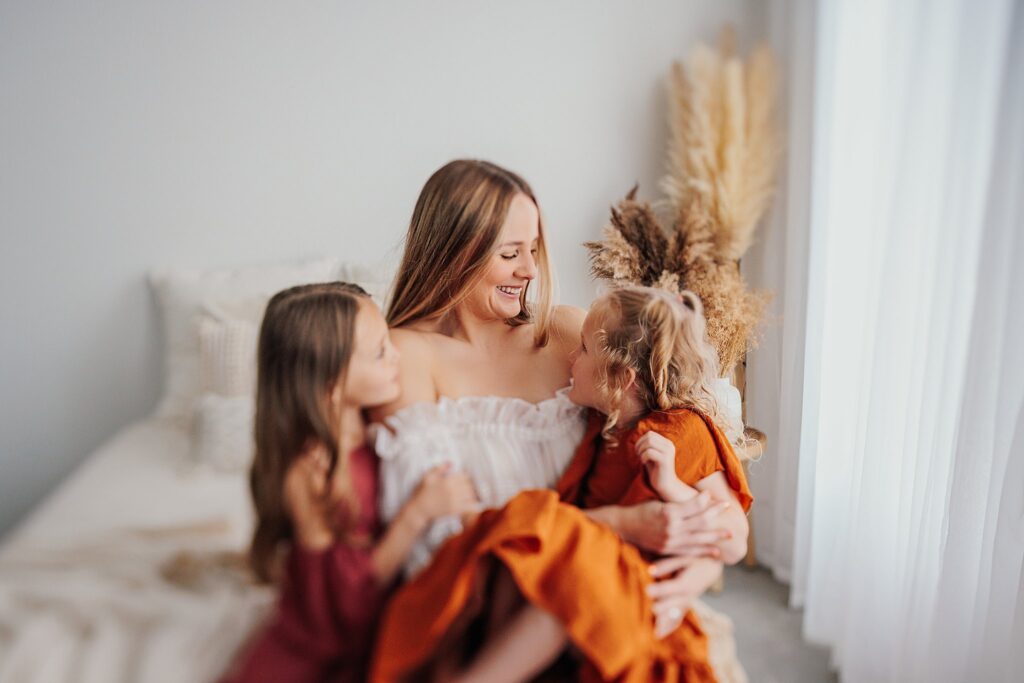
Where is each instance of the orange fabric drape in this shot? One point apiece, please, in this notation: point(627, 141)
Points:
point(564, 563)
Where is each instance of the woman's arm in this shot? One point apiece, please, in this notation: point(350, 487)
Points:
point(688, 529)
point(679, 581)
point(683, 531)
point(731, 518)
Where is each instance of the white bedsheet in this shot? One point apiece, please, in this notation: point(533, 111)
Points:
point(127, 572)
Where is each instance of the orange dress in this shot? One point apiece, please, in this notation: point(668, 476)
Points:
point(575, 569)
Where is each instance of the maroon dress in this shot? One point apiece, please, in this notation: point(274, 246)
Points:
point(322, 629)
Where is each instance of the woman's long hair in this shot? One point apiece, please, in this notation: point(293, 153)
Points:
point(305, 346)
point(454, 231)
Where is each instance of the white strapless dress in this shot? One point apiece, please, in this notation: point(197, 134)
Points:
point(505, 445)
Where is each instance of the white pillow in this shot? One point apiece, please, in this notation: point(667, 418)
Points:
point(227, 356)
point(240, 293)
point(223, 436)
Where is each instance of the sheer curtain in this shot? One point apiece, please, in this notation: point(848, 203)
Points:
point(900, 424)
point(778, 261)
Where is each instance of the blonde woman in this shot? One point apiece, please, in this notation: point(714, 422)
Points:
point(485, 369)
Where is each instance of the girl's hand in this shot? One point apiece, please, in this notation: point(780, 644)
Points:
point(442, 493)
point(306, 499)
point(688, 529)
point(656, 451)
point(658, 455)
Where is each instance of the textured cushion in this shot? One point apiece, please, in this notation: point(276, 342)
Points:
point(227, 356)
point(223, 432)
point(226, 330)
point(241, 294)
point(222, 428)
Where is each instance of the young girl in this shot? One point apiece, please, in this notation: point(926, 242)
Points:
point(646, 368)
point(324, 356)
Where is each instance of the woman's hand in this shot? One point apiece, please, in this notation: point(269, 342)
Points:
point(442, 493)
point(306, 499)
point(678, 582)
point(688, 529)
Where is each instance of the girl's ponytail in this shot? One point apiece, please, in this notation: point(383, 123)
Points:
point(662, 336)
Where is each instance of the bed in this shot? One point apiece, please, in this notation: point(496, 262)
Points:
point(132, 570)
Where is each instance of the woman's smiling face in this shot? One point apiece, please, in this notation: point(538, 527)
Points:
point(513, 264)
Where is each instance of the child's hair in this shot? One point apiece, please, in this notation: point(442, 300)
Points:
point(305, 346)
point(661, 336)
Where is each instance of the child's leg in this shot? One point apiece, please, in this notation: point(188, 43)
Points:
point(453, 647)
point(526, 646)
point(521, 640)
point(504, 600)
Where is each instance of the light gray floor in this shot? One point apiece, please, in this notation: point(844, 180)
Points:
point(767, 631)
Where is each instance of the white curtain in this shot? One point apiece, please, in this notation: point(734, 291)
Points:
point(898, 250)
point(778, 261)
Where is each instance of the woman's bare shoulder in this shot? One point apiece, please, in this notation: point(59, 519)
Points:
point(415, 369)
point(414, 340)
point(566, 324)
point(569, 316)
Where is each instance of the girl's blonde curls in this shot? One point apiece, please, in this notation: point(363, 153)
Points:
point(662, 338)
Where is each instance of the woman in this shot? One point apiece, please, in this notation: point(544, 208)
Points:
point(483, 372)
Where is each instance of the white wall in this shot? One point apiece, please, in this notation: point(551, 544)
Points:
point(136, 134)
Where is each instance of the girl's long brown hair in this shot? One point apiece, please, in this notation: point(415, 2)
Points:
point(305, 346)
point(453, 233)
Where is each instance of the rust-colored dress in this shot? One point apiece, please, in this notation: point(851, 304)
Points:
point(576, 569)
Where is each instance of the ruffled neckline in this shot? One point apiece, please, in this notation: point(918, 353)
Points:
point(508, 411)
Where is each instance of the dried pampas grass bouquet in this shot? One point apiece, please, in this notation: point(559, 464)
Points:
point(723, 151)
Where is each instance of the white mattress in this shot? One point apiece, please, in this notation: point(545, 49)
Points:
point(126, 572)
